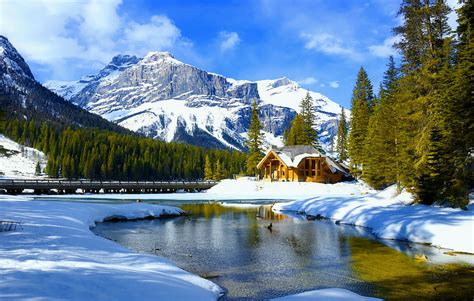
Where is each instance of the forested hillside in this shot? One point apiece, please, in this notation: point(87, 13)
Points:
point(99, 154)
point(418, 132)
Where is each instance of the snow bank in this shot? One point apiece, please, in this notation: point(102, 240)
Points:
point(389, 217)
point(242, 189)
point(56, 256)
point(329, 294)
point(246, 188)
point(17, 161)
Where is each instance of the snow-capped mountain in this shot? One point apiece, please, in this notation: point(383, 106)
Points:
point(166, 99)
point(13, 68)
point(24, 98)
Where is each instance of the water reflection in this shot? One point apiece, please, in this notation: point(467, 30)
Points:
point(232, 245)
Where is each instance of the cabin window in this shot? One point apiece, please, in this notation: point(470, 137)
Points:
point(313, 167)
point(319, 167)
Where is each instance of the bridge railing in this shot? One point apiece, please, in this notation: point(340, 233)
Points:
point(60, 184)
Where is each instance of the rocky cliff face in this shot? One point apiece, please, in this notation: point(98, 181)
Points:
point(166, 99)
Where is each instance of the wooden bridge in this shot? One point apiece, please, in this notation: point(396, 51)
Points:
point(88, 186)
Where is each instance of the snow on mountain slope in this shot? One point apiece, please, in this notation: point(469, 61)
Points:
point(18, 161)
point(166, 99)
point(287, 93)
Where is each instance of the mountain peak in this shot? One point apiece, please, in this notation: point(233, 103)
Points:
point(11, 62)
point(156, 56)
point(282, 81)
point(124, 59)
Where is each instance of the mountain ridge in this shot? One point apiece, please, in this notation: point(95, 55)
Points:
point(21, 96)
point(164, 98)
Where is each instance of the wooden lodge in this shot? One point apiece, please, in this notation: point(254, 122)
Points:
point(300, 163)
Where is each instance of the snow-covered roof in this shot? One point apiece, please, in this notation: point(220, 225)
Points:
point(292, 156)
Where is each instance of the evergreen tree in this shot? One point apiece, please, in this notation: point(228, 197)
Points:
point(342, 136)
point(459, 112)
point(296, 135)
point(254, 142)
point(218, 171)
point(307, 112)
point(413, 43)
point(382, 158)
point(362, 97)
point(433, 154)
point(38, 169)
point(208, 172)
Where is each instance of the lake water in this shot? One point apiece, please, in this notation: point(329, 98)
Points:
point(232, 246)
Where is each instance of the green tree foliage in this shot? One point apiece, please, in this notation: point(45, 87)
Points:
point(218, 171)
point(208, 172)
point(362, 97)
point(458, 110)
point(296, 135)
point(301, 131)
point(420, 132)
point(342, 129)
point(307, 112)
point(254, 142)
point(99, 154)
point(37, 169)
point(381, 167)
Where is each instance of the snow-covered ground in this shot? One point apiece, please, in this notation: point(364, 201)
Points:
point(55, 256)
point(389, 217)
point(245, 190)
point(17, 161)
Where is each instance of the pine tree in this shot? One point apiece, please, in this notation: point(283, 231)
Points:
point(295, 135)
point(254, 142)
point(218, 171)
point(342, 137)
point(307, 112)
point(38, 169)
point(382, 158)
point(413, 43)
point(208, 172)
point(459, 112)
point(362, 97)
point(433, 141)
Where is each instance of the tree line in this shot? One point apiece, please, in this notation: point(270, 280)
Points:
point(418, 131)
point(99, 154)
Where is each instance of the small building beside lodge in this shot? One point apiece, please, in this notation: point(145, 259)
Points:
point(300, 163)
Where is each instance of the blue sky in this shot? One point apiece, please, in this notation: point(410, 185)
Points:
point(320, 44)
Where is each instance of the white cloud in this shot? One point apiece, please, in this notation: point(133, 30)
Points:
point(386, 49)
point(328, 44)
point(334, 84)
point(228, 40)
point(308, 81)
point(157, 34)
point(83, 33)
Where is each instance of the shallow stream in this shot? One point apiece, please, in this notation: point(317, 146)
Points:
point(233, 246)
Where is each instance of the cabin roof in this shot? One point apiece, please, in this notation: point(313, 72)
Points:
point(292, 156)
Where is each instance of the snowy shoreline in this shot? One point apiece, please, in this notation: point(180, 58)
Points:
point(389, 216)
point(56, 247)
